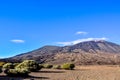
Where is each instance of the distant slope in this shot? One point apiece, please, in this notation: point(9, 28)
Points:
point(95, 46)
point(40, 54)
point(89, 52)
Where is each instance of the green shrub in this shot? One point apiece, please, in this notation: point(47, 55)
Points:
point(56, 67)
point(0, 70)
point(1, 64)
point(17, 72)
point(68, 66)
point(30, 64)
point(11, 72)
point(15, 64)
point(8, 66)
point(47, 66)
point(23, 72)
point(41, 66)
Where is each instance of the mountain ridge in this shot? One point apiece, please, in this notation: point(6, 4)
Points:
point(88, 51)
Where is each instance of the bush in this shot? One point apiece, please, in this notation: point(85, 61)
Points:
point(56, 67)
point(8, 66)
point(1, 64)
point(29, 64)
point(47, 66)
point(15, 64)
point(11, 72)
point(0, 70)
point(23, 72)
point(41, 66)
point(17, 72)
point(68, 66)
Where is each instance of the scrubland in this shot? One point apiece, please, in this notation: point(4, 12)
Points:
point(91, 72)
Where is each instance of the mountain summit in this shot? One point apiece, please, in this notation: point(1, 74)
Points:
point(97, 46)
point(89, 52)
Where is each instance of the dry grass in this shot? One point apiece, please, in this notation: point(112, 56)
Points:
point(103, 72)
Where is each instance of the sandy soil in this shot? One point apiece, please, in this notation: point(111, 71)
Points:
point(103, 72)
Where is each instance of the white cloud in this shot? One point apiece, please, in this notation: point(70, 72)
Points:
point(81, 32)
point(81, 40)
point(64, 43)
point(17, 41)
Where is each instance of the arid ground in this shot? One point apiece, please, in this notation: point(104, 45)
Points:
point(93, 72)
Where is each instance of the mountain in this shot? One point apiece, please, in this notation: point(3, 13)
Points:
point(96, 46)
point(89, 52)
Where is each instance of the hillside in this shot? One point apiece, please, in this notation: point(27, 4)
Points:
point(89, 52)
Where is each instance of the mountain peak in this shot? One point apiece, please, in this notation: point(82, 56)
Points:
point(55, 53)
point(97, 46)
point(94, 41)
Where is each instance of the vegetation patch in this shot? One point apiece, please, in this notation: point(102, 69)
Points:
point(31, 65)
point(56, 67)
point(15, 64)
point(17, 72)
point(0, 70)
point(8, 66)
point(68, 66)
point(2, 63)
point(47, 66)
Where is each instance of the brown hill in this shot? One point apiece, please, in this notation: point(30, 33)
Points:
point(89, 52)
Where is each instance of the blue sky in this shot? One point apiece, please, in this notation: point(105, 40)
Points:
point(26, 25)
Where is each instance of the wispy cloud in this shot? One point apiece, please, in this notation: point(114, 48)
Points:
point(17, 41)
point(81, 40)
point(81, 32)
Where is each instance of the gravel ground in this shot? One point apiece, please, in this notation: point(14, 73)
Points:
point(103, 72)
